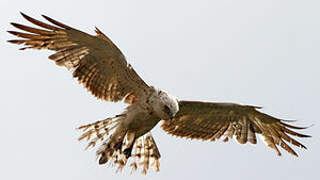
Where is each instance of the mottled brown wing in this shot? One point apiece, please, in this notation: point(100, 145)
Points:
point(210, 121)
point(96, 62)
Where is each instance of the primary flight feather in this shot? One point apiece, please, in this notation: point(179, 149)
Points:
point(101, 67)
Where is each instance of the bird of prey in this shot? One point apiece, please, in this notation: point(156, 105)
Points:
point(98, 64)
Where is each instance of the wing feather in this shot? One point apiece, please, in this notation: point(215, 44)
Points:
point(252, 135)
point(211, 121)
point(96, 61)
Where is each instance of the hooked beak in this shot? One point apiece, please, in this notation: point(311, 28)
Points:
point(171, 116)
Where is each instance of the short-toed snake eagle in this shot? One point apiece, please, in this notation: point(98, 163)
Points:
point(100, 66)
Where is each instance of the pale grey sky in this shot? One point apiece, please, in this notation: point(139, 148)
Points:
point(262, 53)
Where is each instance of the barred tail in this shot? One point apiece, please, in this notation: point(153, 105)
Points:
point(146, 154)
point(119, 146)
point(98, 131)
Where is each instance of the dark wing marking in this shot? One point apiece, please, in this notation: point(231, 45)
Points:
point(210, 121)
point(97, 63)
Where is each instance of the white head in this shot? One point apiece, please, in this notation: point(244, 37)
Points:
point(165, 105)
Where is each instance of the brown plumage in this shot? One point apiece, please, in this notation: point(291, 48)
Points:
point(98, 64)
point(101, 68)
point(210, 121)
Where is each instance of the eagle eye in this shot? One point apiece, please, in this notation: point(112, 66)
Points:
point(167, 109)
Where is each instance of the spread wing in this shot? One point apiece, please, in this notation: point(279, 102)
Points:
point(96, 62)
point(211, 121)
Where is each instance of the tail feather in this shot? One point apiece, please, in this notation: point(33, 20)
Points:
point(98, 130)
point(146, 154)
point(119, 146)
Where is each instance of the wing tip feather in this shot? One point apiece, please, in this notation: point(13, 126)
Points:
point(12, 32)
point(25, 16)
point(294, 127)
point(55, 22)
point(15, 41)
point(22, 14)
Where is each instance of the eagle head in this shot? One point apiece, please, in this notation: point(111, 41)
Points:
point(164, 104)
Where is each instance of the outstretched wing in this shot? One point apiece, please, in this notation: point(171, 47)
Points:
point(96, 62)
point(210, 121)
